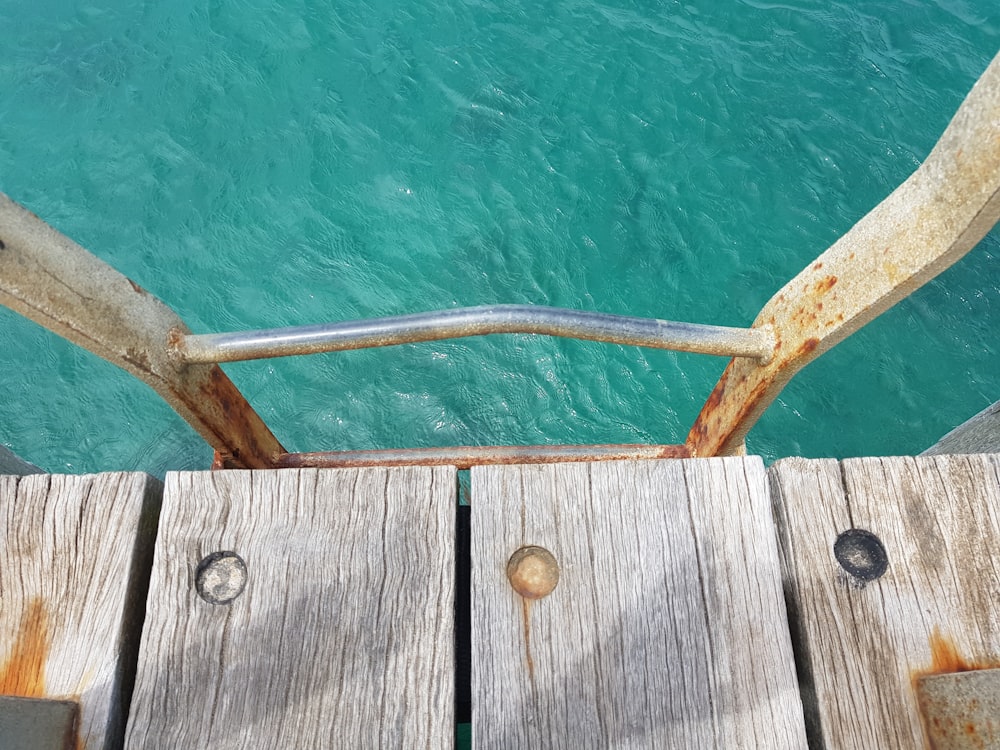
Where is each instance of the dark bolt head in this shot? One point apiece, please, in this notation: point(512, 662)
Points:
point(221, 577)
point(861, 554)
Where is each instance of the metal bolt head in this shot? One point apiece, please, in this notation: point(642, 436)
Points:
point(861, 554)
point(221, 577)
point(533, 572)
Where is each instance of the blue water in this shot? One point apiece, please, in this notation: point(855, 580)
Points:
point(257, 164)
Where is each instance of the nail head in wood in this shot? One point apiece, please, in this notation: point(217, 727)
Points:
point(221, 577)
point(533, 572)
point(861, 554)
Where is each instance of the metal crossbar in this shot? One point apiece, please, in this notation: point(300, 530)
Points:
point(930, 221)
point(476, 321)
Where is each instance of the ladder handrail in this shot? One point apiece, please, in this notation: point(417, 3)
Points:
point(930, 221)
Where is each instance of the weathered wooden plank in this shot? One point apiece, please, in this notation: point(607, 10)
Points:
point(343, 636)
point(979, 434)
point(937, 606)
point(11, 463)
point(75, 555)
point(667, 627)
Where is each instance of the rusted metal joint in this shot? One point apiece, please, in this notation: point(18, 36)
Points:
point(48, 278)
point(930, 221)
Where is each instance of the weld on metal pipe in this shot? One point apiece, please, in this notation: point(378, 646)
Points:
point(475, 321)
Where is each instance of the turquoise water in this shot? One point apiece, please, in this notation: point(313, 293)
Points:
point(257, 164)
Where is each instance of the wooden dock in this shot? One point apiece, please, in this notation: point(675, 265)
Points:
point(700, 603)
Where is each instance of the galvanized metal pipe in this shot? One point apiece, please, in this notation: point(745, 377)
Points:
point(756, 343)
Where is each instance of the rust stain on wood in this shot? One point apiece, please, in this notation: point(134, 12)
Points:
point(526, 614)
point(23, 674)
point(946, 659)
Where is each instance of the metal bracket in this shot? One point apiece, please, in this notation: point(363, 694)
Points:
point(961, 710)
point(38, 723)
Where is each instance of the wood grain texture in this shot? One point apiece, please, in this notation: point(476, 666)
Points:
point(667, 627)
point(344, 634)
point(937, 606)
point(75, 554)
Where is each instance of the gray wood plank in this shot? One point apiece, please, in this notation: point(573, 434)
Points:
point(862, 644)
point(75, 555)
point(11, 463)
point(980, 434)
point(667, 627)
point(343, 636)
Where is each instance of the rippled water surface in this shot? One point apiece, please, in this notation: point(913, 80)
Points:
point(258, 163)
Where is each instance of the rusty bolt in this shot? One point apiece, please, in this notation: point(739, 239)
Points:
point(861, 554)
point(221, 577)
point(533, 572)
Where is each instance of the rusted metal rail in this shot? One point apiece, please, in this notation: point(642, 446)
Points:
point(929, 222)
point(51, 280)
point(465, 457)
point(924, 226)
